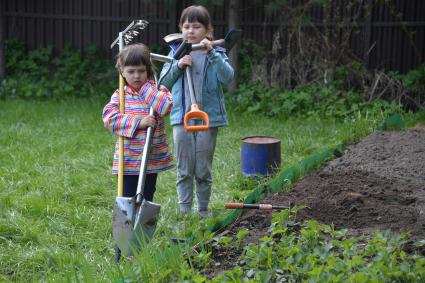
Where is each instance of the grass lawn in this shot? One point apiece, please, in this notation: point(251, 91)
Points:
point(57, 192)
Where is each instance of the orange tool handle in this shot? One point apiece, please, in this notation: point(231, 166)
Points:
point(233, 205)
point(195, 113)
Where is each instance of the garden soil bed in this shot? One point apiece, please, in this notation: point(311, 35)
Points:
point(377, 184)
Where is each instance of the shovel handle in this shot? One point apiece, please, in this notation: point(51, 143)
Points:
point(198, 46)
point(121, 138)
point(262, 206)
point(238, 205)
point(233, 205)
point(195, 113)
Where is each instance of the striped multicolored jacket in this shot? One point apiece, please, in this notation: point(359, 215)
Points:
point(137, 105)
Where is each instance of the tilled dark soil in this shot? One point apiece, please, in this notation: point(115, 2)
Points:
point(377, 184)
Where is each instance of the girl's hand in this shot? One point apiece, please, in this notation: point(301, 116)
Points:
point(206, 43)
point(163, 88)
point(148, 121)
point(185, 61)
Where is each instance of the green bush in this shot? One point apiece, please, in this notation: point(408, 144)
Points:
point(339, 98)
point(37, 74)
point(346, 94)
point(414, 80)
point(327, 101)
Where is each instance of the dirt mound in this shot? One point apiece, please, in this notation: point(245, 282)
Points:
point(359, 200)
point(377, 184)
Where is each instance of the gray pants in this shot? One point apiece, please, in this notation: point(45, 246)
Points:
point(194, 153)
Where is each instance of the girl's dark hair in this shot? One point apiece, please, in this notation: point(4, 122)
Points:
point(135, 55)
point(197, 14)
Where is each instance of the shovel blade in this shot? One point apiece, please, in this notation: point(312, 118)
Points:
point(146, 219)
point(131, 226)
point(122, 223)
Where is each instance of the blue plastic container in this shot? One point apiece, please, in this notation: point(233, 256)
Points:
point(260, 155)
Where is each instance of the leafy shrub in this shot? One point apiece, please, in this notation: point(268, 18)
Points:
point(83, 76)
point(327, 101)
point(414, 85)
point(37, 74)
point(414, 80)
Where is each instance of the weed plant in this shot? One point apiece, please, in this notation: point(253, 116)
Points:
point(316, 252)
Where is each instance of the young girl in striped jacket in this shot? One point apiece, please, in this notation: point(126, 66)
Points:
point(135, 65)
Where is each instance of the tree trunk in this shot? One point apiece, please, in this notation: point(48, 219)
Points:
point(2, 43)
point(233, 55)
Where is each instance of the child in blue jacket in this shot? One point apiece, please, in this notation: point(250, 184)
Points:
point(210, 70)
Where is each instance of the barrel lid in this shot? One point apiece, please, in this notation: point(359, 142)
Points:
point(260, 140)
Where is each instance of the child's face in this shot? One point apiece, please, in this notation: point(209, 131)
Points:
point(135, 75)
point(194, 32)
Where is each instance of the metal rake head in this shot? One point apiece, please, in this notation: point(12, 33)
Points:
point(135, 30)
point(131, 31)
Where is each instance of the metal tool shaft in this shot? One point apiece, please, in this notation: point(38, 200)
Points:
point(144, 162)
point(190, 84)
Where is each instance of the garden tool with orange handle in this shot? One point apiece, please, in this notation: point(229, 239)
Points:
point(231, 38)
point(261, 206)
point(195, 114)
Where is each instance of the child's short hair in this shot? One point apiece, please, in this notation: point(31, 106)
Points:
point(200, 14)
point(135, 55)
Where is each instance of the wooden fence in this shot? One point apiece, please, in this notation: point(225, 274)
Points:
point(390, 37)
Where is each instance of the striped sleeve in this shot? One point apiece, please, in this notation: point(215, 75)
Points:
point(119, 124)
point(159, 100)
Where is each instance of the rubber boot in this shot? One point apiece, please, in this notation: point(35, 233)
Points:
point(117, 256)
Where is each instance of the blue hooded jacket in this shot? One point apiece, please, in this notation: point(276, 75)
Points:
point(218, 72)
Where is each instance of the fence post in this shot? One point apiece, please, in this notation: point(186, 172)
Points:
point(233, 22)
point(368, 32)
point(173, 16)
point(2, 43)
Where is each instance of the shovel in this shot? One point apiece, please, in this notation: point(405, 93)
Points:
point(231, 38)
point(134, 219)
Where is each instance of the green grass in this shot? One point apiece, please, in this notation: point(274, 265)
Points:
point(57, 192)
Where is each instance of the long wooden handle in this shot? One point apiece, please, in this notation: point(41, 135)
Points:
point(121, 143)
point(198, 46)
point(121, 138)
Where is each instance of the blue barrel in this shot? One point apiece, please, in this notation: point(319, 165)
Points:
point(260, 155)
